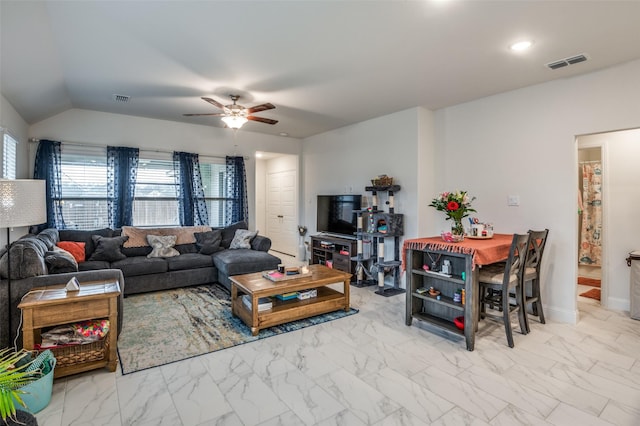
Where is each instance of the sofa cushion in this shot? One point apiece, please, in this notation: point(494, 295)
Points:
point(244, 261)
point(162, 246)
point(60, 261)
point(242, 239)
point(230, 231)
point(189, 261)
point(138, 236)
point(27, 258)
point(84, 237)
point(50, 237)
point(93, 265)
point(186, 248)
point(133, 266)
point(208, 242)
point(261, 243)
point(108, 249)
point(75, 248)
point(136, 251)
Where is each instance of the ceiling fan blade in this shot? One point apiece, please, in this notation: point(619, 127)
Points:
point(213, 102)
point(261, 119)
point(259, 108)
point(215, 114)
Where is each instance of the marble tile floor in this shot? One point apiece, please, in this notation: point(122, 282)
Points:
point(371, 369)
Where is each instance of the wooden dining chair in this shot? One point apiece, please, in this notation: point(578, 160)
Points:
point(498, 280)
point(531, 277)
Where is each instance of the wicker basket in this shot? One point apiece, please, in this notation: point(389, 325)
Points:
point(382, 181)
point(77, 354)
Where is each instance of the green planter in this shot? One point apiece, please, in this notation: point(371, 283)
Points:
point(37, 394)
point(19, 374)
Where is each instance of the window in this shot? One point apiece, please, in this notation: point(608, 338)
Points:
point(214, 173)
point(155, 202)
point(84, 189)
point(9, 155)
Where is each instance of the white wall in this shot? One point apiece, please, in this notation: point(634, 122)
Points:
point(97, 128)
point(621, 203)
point(523, 143)
point(345, 160)
point(14, 123)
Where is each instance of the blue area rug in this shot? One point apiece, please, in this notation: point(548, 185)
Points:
point(169, 326)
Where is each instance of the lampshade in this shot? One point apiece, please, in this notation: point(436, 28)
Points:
point(22, 202)
point(234, 121)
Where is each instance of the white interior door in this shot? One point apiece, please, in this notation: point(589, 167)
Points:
point(282, 211)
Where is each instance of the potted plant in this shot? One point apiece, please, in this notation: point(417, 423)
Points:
point(13, 376)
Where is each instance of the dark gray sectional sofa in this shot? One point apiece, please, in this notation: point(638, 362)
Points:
point(34, 264)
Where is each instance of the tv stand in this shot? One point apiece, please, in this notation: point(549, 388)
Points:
point(337, 252)
point(339, 236)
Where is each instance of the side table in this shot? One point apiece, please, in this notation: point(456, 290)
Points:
point(53, 305)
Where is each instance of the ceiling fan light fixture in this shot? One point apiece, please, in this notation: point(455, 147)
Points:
point(234, 121)
point(521, 45)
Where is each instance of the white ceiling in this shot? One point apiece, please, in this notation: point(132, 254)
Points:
point(323, 64)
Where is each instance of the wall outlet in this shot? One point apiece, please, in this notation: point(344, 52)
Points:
point(513, 200)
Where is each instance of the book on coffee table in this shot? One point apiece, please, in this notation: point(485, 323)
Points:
point(264, 303)
point(279, 276)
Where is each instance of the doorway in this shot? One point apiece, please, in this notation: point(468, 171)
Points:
point(590, 220)
point(619, 152)
point(277, 195)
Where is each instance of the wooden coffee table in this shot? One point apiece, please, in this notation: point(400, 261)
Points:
point(282, 311)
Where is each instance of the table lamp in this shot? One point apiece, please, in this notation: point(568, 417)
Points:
point(22, 203)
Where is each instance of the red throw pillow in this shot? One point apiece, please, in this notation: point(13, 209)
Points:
point(75, 248)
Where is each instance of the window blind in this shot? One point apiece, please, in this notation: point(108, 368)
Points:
point(9, 156)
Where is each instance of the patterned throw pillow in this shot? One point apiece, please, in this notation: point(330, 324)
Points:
point(75, 248)
point(162, 246)
point(242, 239)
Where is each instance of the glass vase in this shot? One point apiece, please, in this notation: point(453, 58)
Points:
point(457, 230)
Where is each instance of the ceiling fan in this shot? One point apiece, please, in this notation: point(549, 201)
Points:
point(234, 115)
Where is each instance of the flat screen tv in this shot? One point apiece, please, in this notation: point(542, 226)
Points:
point(337, 214)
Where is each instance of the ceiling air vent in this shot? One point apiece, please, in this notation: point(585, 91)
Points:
point(121, 98)
point(566, 62)
point(576, 59)
point(557, 64)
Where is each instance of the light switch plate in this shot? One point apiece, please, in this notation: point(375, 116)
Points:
point(513, 200)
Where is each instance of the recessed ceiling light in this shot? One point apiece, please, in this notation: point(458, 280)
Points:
point(521, 45)
point(285, 134)
point(258, 154)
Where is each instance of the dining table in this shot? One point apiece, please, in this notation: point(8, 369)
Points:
point(422, 259)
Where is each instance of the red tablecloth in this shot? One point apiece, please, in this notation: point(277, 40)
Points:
point(483, 251)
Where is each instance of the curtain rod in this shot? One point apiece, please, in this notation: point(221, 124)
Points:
point(36, 140)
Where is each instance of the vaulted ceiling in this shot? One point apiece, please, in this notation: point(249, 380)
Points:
point(323, 64)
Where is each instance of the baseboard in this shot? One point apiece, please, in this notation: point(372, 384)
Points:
point(617, 304)
point(561, 315)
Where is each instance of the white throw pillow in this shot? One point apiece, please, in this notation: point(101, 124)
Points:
point(162, 246)
point(242, 239)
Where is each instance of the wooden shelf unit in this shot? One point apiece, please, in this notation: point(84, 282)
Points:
point(328, 248)
point(440, 313)
point(51, 306)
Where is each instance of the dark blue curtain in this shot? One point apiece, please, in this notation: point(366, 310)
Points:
point(122, 170)
point(192, 206)
point(47, 167)
point(236, 207)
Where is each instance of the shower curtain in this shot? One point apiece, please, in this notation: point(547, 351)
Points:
point(590, 236)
